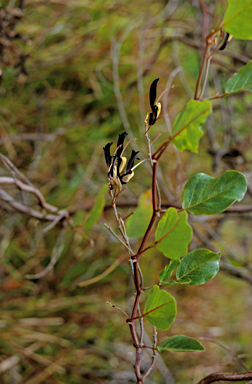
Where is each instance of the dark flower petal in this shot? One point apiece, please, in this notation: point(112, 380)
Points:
point(153, 93)
point(153, 116)
point(119, 150)
point(112, 166)
point(131, 162)
point(120, 142)
point(108, 157)
point(224, 42)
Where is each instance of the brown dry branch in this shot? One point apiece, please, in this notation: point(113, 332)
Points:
point(54, 216)
point(226, 377)
point(8, 202)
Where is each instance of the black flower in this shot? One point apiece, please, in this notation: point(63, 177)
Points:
point(108, 157)
point(129, 172)
point(156, 108)
point(117, 162)
point(120, 149)
point(225, 39)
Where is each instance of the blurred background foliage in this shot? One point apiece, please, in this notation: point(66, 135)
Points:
point(75, 74)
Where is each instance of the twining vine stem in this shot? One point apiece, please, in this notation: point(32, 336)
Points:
point(137, 280)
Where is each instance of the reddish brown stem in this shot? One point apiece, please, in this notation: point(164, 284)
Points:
point(202, 67)
point(144, 250)
point(130, 214)
point(138, 283)
point(147, 313)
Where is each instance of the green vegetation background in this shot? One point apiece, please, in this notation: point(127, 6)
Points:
point(55, 119)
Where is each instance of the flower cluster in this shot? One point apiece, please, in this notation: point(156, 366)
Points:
point(117, 162)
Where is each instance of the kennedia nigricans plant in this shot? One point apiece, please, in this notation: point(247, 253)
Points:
point(202, 195)
point(117, 163)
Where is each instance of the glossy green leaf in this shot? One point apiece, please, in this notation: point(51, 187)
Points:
point(173, 282)
point(237, 19)
point(241, 81)
point(97, 209)
point(173, 234)
point(199, 266)
point(180, 344)
point(203, 194)
point(167, 272)
point(164, 316)
point(186, 131)
point(138, 223)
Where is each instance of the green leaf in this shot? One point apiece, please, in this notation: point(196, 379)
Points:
point(164, 316)
point(97, 209)
point(78, 218)
point(173, 282)
point(241, 81)
point(180, 344)
point(237, 19)
point(186, 131)
point(138, 223)
point(167, 272)
point(204, 194)
point(199, 266)
point(173, 234)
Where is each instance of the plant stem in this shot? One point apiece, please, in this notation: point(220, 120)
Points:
point(205, 56)
point(137, 281)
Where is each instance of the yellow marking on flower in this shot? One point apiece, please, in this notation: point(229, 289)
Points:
point(115, 181)
point(159, 109)
point(124, 160)
point(127, 178)
point(230, 38)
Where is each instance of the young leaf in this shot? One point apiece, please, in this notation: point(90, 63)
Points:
point(164, 316)
point(237, 19)
point(206, 195)
point(180, 344)
point(241, 81)
point(173, 234)
point(97, 209)
point(138, 223)
point(186, 131)
point(167, 272)
point(199, 266)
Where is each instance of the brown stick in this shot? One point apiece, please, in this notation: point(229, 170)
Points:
point(226, 377)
